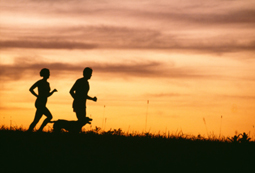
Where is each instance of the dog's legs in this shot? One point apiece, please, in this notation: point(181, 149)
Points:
point(56, 127)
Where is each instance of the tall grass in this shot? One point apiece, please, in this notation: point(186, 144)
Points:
point(178, 135)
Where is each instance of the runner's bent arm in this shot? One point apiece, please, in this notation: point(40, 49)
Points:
point(90, 98)
point(72, 91)
point(52, 92)
point(32, 89)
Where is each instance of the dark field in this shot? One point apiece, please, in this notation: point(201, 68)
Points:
point(114, 151)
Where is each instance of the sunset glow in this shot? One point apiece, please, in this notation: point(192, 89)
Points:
point(192, 60)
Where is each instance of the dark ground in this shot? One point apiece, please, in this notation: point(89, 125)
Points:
point(48, 152)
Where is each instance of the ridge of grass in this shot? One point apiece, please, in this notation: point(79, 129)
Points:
point(116, 151)
point(238, 138)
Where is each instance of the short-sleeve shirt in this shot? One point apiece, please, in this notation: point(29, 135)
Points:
point(81, 88)
point(43, 93)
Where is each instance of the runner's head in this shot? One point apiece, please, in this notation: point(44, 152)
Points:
point(45, 73)
point(87, 73)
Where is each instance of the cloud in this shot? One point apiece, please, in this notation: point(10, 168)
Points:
point(215, 19)
point(238, 97)
point(45, 44)
point(24, 68)
point(210, 27)
point(207, 14)
point(88, 37)
point(200, 12)
point(109, 37)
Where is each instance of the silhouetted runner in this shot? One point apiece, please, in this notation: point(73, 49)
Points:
point(40, 103)
point(79, 92)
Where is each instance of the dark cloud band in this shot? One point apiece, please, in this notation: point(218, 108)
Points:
point(146, 69)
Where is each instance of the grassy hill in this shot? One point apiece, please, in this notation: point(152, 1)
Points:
point(115, 151)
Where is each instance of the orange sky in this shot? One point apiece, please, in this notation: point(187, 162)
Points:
point(191, 60)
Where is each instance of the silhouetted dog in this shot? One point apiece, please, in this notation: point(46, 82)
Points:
point(71, 126)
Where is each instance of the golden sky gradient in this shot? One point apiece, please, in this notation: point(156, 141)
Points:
point(193, 61)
